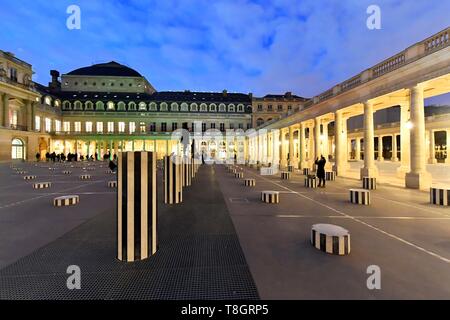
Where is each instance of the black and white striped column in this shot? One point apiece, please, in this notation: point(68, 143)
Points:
point(285, 175)
point(249, 182)
point(330, 175)
point(360, 196)
point(270, 196)
point(369, 183)
point(187, 171)
point(330, 239)
point(136, 206)
point(290, 168)
point(440, 195)
point(173, 184)
point(311, 182)
point(305, 171)
point(239, 175)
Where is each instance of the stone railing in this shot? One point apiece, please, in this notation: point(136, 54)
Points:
point(428, 46)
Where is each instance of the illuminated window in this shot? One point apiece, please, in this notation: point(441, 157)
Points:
point(77, 125)
point(57, 125)
point(37, 123)
point(13, 119)
point(48, 124)
point(47, 100)
point(121, 126)
point(110, 105)
point(66, 126)
point(100, 127)
point(88, 125)
point(132, 126)
point(142, 127)
point(142, 106)
point(110, 126)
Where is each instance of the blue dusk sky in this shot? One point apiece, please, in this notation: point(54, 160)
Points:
point(257, 46)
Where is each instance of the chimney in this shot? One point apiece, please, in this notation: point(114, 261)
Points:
point(288, 94)
point(55, 84)
point(225, 92)
point(250, 96)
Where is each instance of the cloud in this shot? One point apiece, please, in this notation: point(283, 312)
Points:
point(257, 46)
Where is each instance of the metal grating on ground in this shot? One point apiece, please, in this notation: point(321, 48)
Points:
point(199, 257)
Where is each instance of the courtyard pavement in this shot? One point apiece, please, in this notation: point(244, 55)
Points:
point(222, 242)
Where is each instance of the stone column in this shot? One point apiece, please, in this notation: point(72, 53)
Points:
point(380, 148)
point(404, 140)
point(302, 136)
point(5, 115)
point(317, 140)
point(369, 169)
point(275, 148)
point(341, 145)
point(418, 177)
point(291, 146)
point(324, 140)
point(432, 152)
point(29, 112)
point(283, 161)
point(394, 148)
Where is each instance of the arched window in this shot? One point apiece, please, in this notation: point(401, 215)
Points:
point(78, 105)
point(222, 107)
point(259, 122)
point(203, 107)
point(121, 106)
point(142, 106)
point(240, 108)
point(89, 105)
point(212, 107)
point(184, 107)
point(174, 107)
point(99, 105)
point(194, 107)
point(48, 100)
point(163, 106)
point(17, 151)
point(153, 106)
point(231, 108)
point(110, 105)
point(132, 106)
point(67, 105)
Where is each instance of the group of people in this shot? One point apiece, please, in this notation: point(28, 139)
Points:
point(53, 156)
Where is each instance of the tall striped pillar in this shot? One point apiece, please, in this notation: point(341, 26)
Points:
point(173, 180)
point(187, 171)
point(136, 206)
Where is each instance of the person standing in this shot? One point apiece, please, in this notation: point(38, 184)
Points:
point(321, 171)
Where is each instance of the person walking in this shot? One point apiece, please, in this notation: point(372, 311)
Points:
point(321, 171)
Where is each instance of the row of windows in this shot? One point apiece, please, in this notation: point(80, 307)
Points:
point(49, 125)
point(152, 106)
point(270, 107)
point(132, 126)
point(111, 84)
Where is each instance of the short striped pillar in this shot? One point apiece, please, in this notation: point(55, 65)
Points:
point(85, 176)
point(330, 175)
point(67, 172)
point(330, 238)
point(193, 168)
point(305, 171)
point(42, 185)
point(270, 196)
point(136, 205)
point(233, 171)
point(21, 172)
point(360, 196)
point(239, 175)
point(112, 184)
point(369, 183)
point(310, 182)
point(440, 195)
point(285, 175)
point(249, 182)
point(29, 177)
point(290, 168)
point(187, 171)
point(66, 200)
point(173, 184)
